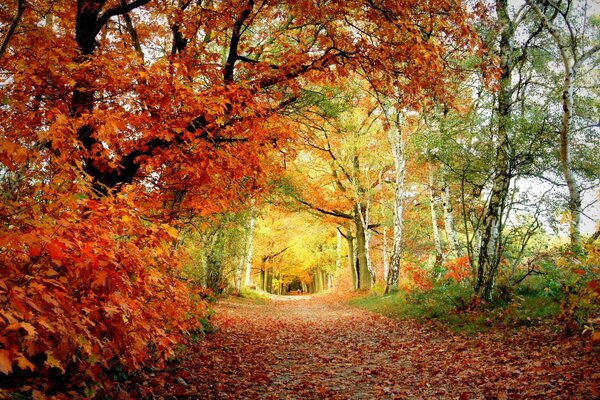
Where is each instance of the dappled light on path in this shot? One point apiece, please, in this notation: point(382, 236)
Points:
point(310, 347)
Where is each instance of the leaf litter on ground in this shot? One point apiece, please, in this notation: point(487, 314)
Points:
point(316, 347)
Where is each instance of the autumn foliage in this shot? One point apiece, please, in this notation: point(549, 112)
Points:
point(122, 122)
point(86, 286)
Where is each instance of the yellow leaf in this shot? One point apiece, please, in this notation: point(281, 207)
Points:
point(53, 362)
point(171, 231)
point(28, 328)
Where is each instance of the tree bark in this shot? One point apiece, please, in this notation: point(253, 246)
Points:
point(439, 254)
point(449, 218)
point(570, 63)
point(397, 143)
point(351, 258)
point(338, 249)
point(489, 257)
point(362, 262)
point(249, 250)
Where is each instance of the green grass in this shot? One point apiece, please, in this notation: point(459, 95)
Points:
point(258, 297)
point(442, 305)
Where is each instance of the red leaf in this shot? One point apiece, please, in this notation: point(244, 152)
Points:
point(35, 250)
point(55, 251)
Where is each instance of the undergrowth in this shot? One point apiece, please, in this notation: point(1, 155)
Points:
point(447, 304)
point(259, 297)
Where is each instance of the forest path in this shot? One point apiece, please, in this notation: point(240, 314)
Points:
point(302, 347)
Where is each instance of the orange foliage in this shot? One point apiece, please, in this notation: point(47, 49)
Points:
point(104, 150)
point(85, 286)
point(458, 269)
point(418, 277)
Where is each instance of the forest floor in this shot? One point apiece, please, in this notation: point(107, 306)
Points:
point(302, 347)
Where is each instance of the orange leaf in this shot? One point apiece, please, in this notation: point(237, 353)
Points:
point(22, 325)
point(53, 362)
point(24, 363)
point(100, 279)
point(5, 364)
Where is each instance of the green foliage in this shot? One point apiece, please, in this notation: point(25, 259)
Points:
point(447, 303)
point(378, 288)
point(258, 296)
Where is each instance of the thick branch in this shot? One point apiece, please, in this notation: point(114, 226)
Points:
point(271, 256)
point(13, 26)
point(113, 12)
point(235, 41)
point(333, 213)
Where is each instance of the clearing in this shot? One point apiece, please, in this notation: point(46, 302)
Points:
point(313, 347)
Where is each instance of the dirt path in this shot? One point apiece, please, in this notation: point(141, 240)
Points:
point(311, 348)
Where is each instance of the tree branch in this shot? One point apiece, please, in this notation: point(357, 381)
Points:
point(132, 32)
point(113, 12)
point(333, 213)
point(235, 41)
point(13, 26)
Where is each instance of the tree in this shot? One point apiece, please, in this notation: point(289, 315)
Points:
point(343, 171)
point(575, 50)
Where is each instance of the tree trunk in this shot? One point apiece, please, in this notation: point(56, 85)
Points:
point(385, 252)
point(261, 280)
point(397, 143)
point(439, 254)
point(362, 261)
point(269, 281)
point(489, 255)
point(249, 250)
point(570, 69)
point(449, 218)
point(352, 264)
point(338, 250)
point(214, 262)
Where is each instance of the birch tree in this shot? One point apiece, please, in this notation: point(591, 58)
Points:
point(574, 49)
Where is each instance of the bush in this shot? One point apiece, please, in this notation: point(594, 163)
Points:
point(87, 291)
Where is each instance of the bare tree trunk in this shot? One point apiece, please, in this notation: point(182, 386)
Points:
point(363, 211)
point(386, 255)
point(239, 272)
point(385, 252)
point(439, 254)
point(397, 143)
point(489, 257)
